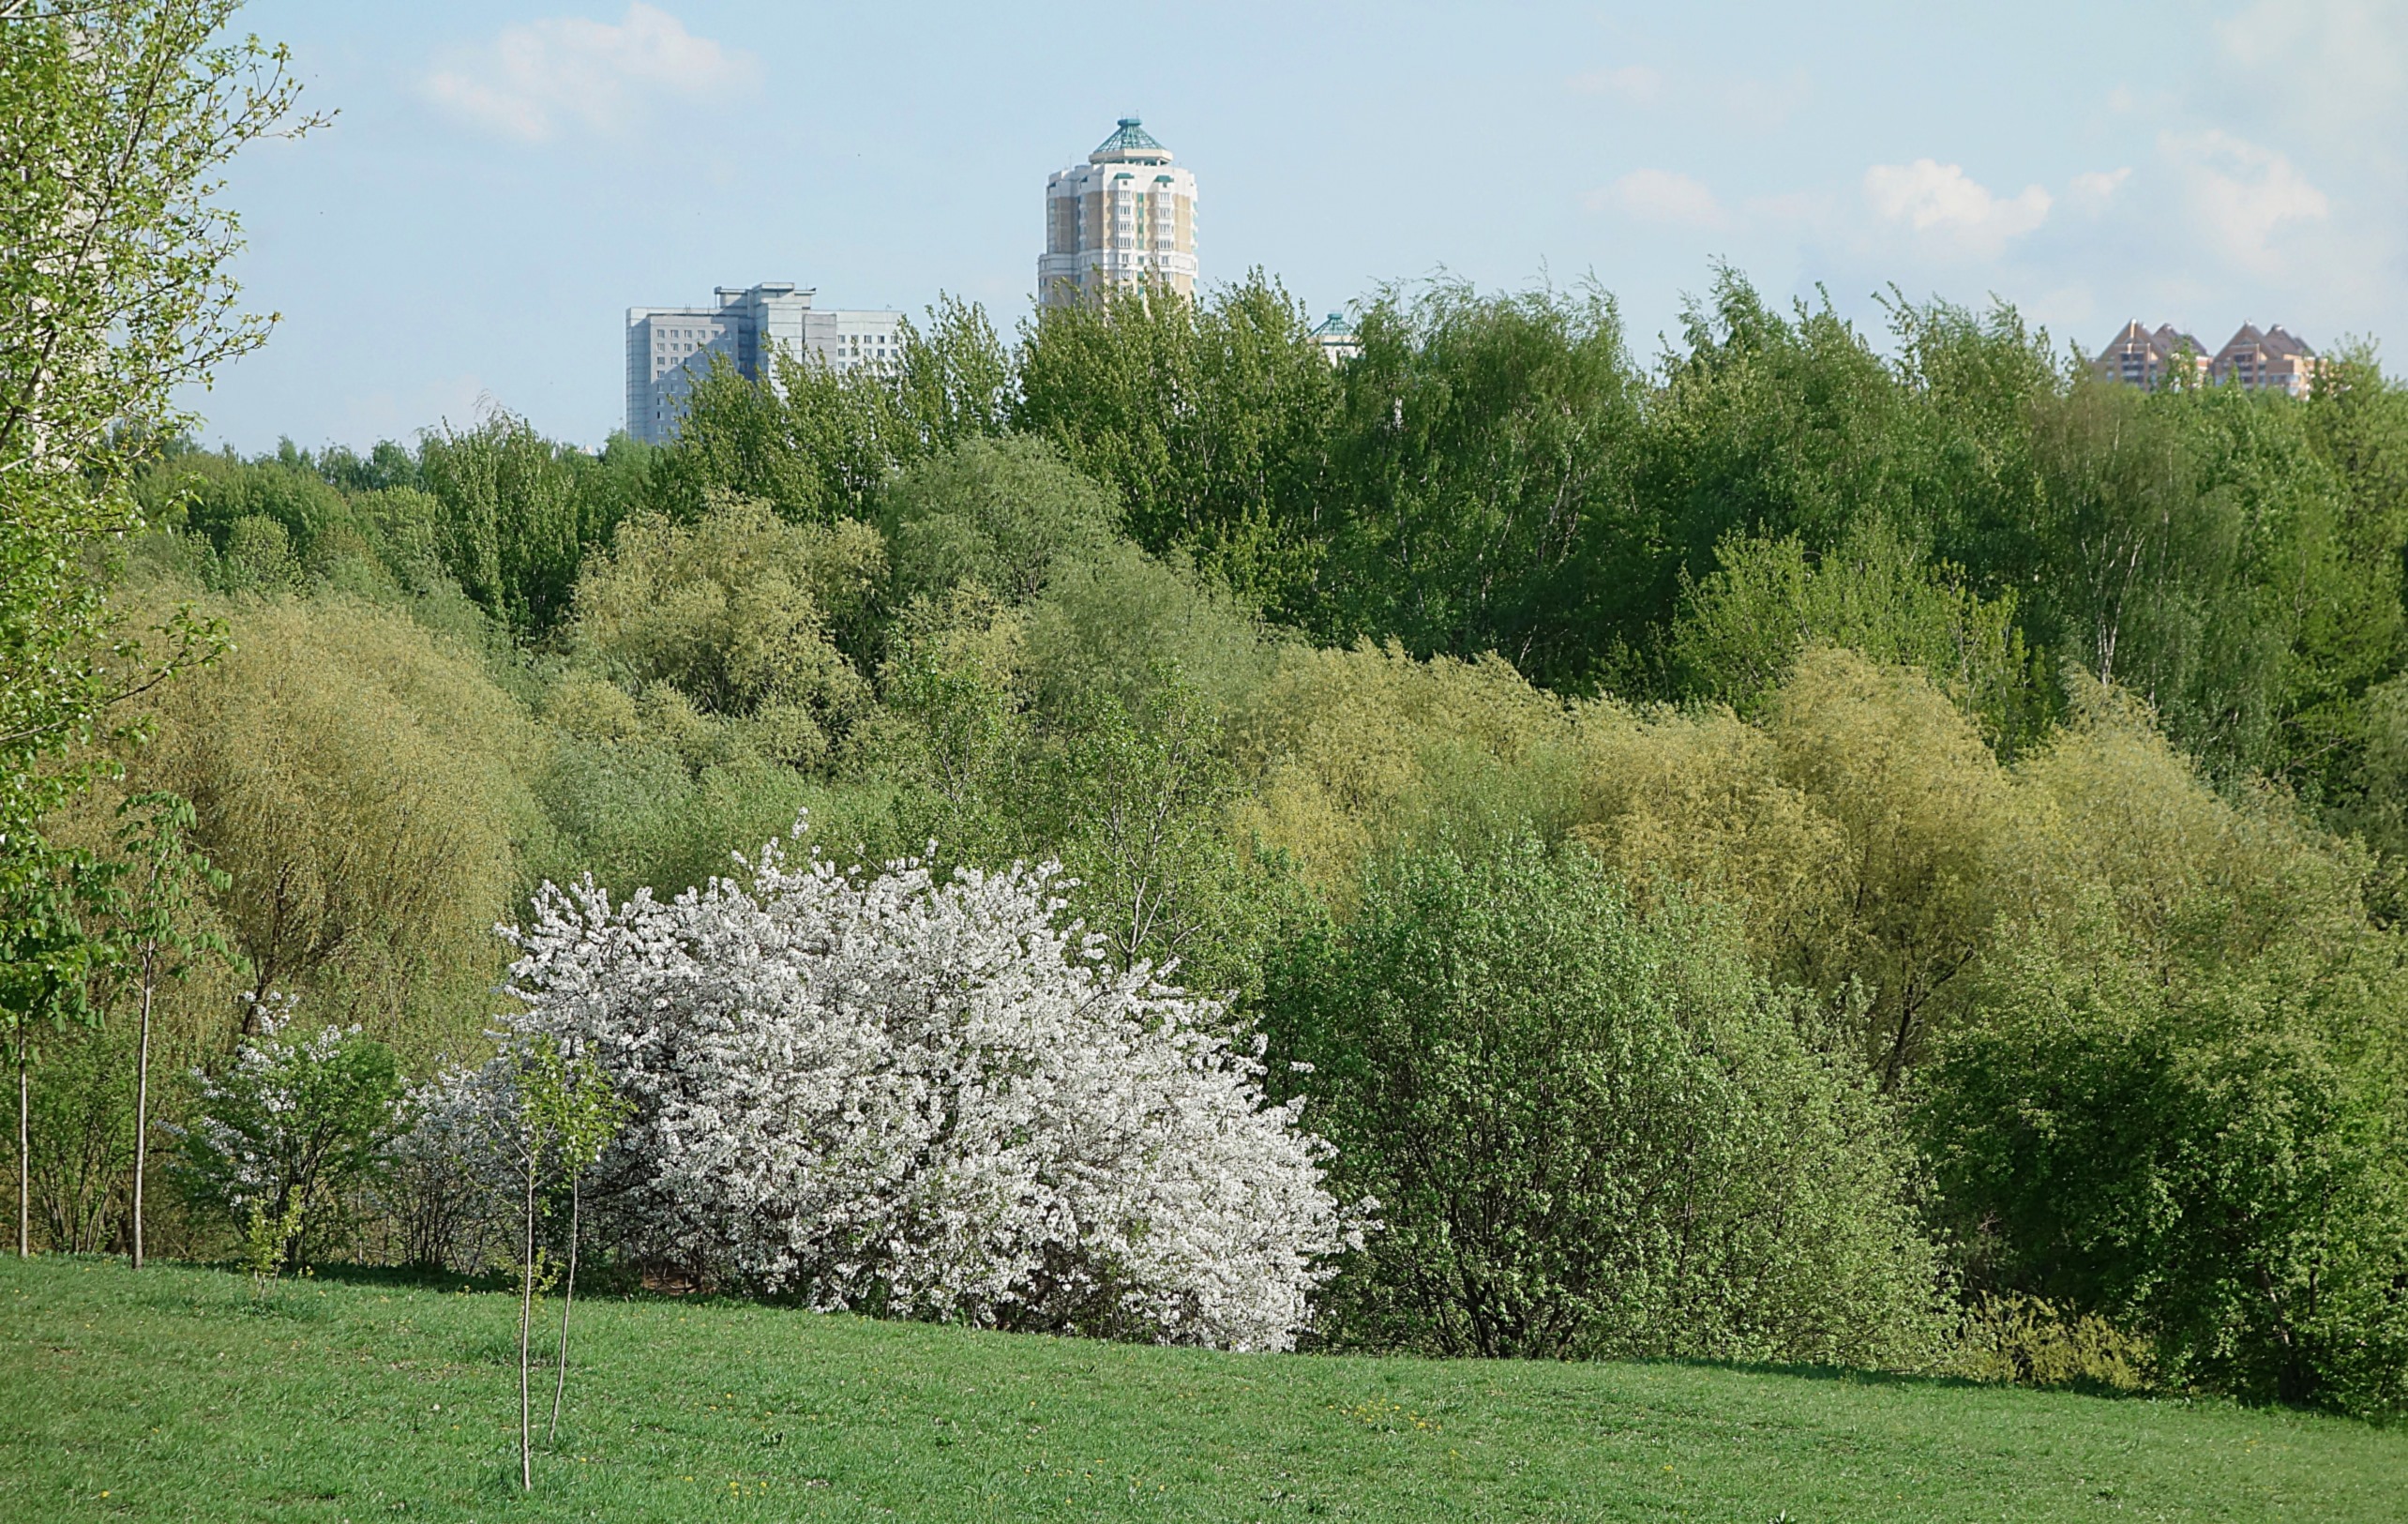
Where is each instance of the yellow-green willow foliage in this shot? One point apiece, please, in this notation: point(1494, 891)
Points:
point(738, 612)
point(1739, 630)
point(1349, 747)
point(363, 784)
point(1870, 842)
point(2123, 821)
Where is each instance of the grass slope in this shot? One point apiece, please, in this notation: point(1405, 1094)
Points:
point(174, 1395)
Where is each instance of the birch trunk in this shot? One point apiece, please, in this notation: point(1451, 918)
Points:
point(526, 1316)
point(568, 1295)
point(142, 1097)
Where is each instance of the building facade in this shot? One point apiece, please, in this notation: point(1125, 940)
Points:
point(2274, 359)
point(2270, 361)
point(670, 348)
point(1126, 217)
point(1337, 338)
point(2138, 357)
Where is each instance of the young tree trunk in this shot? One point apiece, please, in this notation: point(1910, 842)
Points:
point(526, 1316)
point(569, 1294)
point(25, 1155)
point(141, 1096)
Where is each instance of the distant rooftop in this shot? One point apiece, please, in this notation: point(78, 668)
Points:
point(1130, 141)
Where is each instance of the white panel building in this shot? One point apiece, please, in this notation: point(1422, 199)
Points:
point(1125, 217)
point(669, 348)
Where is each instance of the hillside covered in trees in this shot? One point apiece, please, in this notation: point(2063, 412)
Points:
point(1796, 849)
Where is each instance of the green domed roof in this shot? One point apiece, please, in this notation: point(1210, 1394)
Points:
point(1130, 140)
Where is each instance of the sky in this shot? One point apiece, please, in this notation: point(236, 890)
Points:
point(502, 180)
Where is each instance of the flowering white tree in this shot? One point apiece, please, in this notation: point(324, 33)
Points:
point(886, 1094)
point(445, 1185)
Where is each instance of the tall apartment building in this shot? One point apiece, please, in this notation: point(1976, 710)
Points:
point(669, 348)
point(2138, 357)
point(2274, 359)
point(1337, 338)
point(1125, 217)
point(2270, 361)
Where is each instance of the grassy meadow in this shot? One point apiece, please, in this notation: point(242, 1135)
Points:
point(179, 1393)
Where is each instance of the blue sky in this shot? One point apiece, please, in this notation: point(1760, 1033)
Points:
point(505, 178)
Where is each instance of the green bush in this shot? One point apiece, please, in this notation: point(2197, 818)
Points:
point(1593, 1133)
point(285, 1133)
point(2025, 1341)
point(2207, 1147)
point(1000, 513)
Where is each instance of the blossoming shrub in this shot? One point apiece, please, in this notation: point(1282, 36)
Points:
point(445, 1187)
point(887, 1095)
point(289, 1130)
point(1595, 1132)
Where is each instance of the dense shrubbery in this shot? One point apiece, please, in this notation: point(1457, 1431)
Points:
point(1752, 851)
point(1594, 1131)
point(283, 1136)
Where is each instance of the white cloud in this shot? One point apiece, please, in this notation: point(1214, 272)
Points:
point(2242, 195)
point(2355, 49)
point(2094, 190)
point(537, 79)
point(1663, 197)
point(1734, 101)
point(1949, 210)
point(1635, 83)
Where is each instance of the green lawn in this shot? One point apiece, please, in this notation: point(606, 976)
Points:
point(175, 1394)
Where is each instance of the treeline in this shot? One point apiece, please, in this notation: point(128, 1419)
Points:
point(1795, 853)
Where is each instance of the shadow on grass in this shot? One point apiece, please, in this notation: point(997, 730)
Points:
point(412, 1277)
point(1912, 1380)
point(617, 1285)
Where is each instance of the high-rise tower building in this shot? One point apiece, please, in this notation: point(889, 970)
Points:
point(2273, 359)
point(2138, 357)
point(669, 348)
point(1125, 217)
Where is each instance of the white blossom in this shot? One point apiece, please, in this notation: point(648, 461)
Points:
point(881, 1093)
point(244, 1131)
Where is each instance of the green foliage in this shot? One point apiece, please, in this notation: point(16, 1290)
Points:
point(953, 731)
point(1112, 622)
point(1739, 630)
point(816, 443)
point(2025, 1341)
point(1132, 796)
point(1209, 419)
point(364, 787)
point(736, 612)
point(1593, 1132)
point(265, 1238)
point(1000, 513)
point(82, 1136)
point(1698, 764)
point(114, 299)
point(1481, 474)
point(1349, 751)
point(635, 816)
point(955, 382)
point(516, 523)
point(2209, 1144)
point(286, 1132)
